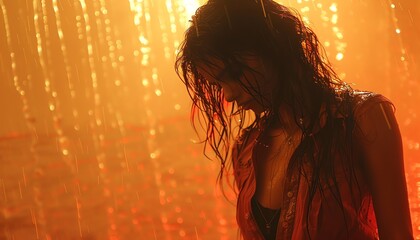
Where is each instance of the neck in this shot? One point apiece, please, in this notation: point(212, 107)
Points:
point(285, 122)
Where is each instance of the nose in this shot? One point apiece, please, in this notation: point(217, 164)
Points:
point(229, 97)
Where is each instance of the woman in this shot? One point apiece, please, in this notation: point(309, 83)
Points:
point(317, 159)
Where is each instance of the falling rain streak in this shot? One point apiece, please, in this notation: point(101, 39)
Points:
point(95, 140)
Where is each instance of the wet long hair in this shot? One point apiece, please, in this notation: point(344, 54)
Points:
point(227, 30)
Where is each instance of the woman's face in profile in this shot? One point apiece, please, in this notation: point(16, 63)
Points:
point(246, 91)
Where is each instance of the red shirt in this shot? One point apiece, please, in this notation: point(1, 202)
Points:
point(326, 217)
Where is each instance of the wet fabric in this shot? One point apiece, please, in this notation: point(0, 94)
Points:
point(354, 219)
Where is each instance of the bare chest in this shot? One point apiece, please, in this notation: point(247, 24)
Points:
point(271, 160)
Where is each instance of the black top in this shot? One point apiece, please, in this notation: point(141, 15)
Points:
point(267, 219)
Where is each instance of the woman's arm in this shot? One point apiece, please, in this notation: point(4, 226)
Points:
point(379, 137)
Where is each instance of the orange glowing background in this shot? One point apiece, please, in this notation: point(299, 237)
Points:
point(95, 140)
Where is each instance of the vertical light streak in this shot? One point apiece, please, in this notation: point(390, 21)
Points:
point(41, 21)
point(92, 66)
point(24, 177)
point(139, 8)
point(79, 217)
point(172, 18)
point(28, 116)
point(67, 65)
point(403, 57)
point(117, 72)
point(165, 33)
point(4, 190)
point(49, 75)
point(35, 223)
point(64, 142)
point(329, 14)
point(142, 21)
point(95, 116)
point(18, 86)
